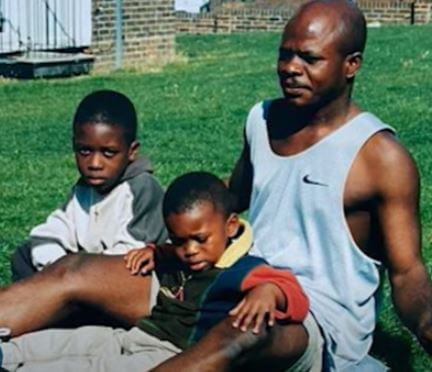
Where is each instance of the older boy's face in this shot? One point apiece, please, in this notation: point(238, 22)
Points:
point(200, 235)
point(102, 154)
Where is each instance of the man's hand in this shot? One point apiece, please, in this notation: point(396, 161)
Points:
point(141, 260)
point(259, 304)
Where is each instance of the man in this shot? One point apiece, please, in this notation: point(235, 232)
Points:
point(330, 212)
point(332, 195)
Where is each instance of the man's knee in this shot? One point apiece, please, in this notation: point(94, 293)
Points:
point(273, 348)
point(277, 348)
point(232, 342)
point(66, 265)
point(69, 272)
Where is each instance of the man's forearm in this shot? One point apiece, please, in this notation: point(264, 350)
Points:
point(215, 352)
point(412, 295)
point(225, 348)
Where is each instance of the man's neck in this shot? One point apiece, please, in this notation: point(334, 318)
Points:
point(293, 129)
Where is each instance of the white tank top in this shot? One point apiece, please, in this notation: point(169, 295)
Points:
point(298, 220)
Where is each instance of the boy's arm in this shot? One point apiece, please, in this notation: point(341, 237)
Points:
point(54, 238)
point(240, 183)
point(144, 260)
point(143, 221)
point(272, 294)
point(294, 305)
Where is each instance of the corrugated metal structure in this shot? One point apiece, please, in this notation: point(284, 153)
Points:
point(44, 24)
point(190, 6)
point(29, 26)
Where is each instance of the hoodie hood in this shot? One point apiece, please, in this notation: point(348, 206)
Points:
point(140, 165)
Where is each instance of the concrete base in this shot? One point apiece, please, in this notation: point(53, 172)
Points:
point(33, 65)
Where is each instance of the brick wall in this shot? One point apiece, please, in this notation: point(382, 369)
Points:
point(239, 20)
point(227, 21)
point(148, 33)
point(399, 12)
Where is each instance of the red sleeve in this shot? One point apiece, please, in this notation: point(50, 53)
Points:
point(297, 301)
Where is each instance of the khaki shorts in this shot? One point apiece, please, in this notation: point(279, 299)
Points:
point(312, 358)
point(154, 289)
point(86, 349)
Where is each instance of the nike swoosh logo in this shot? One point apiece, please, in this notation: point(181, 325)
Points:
point(307, 180)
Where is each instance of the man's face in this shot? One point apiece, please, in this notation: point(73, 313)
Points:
point(311, 69)
point(102, 154)
point(200, 235)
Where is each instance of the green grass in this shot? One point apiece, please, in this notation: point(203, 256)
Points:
point(191, 117)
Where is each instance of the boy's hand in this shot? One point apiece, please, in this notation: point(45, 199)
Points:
point(141, 260)
point(258, 304)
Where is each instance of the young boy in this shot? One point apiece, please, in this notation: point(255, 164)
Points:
point(116, 203)
point(204, 273)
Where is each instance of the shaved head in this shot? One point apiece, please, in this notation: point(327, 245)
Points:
point(345, 18)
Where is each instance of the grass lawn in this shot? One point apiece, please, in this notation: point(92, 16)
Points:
point(191, 117)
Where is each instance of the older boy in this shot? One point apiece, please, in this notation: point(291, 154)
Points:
point(115, 205)
point(203, 275)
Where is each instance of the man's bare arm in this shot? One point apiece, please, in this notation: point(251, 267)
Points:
point(240, 183)
point(397, 182)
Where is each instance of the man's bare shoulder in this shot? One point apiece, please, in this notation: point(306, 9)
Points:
point(389, 165)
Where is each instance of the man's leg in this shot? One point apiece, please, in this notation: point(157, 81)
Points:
point(225, 348)
point(285, 350)
point(99, 281)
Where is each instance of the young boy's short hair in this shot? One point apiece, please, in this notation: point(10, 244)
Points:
point(193, 188)
point(108, 107)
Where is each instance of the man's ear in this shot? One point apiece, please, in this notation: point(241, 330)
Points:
point(232, 225)
point(133, 151)
point(353, 63)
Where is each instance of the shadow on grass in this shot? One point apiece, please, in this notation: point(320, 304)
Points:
point(393, 350)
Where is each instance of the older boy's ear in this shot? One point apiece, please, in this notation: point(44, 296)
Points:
point(353, 63)
point(232, 225)
point(133, 150)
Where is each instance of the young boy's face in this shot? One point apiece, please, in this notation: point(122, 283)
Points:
point(102, 154)
point(201, 234)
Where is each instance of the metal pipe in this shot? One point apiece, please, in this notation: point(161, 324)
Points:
point(1, 17)
point(412, 15)
point(118, 35)
point(47, 26)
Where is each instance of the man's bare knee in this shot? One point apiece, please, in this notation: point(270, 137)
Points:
point(284, 341)
point(69, 273)
point(103, 282)
point(233, 342)
point(23, 311)
point(279, 347)
point(66, 265)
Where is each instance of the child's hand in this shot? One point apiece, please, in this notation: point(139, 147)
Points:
point(141, 260)
point(258, 304)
